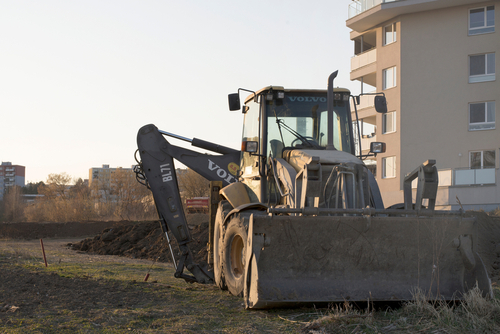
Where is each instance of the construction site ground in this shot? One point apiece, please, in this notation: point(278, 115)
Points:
point(87, 290)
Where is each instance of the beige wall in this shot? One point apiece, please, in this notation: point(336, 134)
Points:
point(389, 56)
point(434, 50)
point(432, 97)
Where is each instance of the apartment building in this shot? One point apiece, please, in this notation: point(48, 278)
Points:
point(103, 177)
point(11, 175)
point(436, 62)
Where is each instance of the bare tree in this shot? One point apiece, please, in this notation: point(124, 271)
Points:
point(13, 205)
point(54, 205)
point(117, 196)
point(56, 185)
point(192, 184)
point(81, 201)
point(132, 198)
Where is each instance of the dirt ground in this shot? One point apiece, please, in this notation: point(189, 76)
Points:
point(40, 293)
point(28, 290)
point(137, 240)
point(145, 240)
point(87, 293)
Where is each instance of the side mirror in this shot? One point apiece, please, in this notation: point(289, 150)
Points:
point(380, 104)
point(234, 101)
point(377, 147)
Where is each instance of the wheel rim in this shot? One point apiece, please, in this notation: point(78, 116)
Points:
point(237, 247)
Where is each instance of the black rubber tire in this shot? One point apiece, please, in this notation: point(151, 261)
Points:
point(217, 242)
point(234, 251)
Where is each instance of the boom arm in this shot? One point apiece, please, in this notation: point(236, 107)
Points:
point(157, 164)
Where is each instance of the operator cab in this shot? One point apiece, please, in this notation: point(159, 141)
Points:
point(279, 120)
point(294, 119)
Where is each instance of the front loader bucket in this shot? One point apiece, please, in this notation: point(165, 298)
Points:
point(317, 259)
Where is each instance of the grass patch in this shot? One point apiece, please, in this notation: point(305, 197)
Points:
point(475, 314)
point(107, 297)
point(112, 297)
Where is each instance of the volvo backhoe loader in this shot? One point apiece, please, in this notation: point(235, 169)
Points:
point(298, 216)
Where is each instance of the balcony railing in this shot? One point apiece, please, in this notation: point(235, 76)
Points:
point(360, 6)
point(363, 59)
point(467, 176)
point(365, 101)
point(464, 177)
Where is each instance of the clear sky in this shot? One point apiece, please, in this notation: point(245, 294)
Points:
point(79, 78)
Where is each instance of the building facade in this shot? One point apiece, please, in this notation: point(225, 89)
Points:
point(436, 62)
point(11, 175)
point(104, 179)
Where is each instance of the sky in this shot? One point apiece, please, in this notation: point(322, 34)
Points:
point(78, 79)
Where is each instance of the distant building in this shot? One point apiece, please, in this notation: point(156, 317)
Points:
point(11, 175)
point(102, 179)
point(103, 174)
point(30, 198)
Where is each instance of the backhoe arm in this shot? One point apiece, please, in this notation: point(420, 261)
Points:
point(157, 164)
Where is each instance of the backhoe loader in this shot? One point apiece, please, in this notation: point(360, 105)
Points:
point(297, 217)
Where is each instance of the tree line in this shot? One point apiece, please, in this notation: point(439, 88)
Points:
point(63, 199)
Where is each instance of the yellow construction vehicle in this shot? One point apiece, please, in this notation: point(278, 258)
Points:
point(297, 217)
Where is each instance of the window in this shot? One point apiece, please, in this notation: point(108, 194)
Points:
point(481, 20)
point(482, 159)
point(389, 122)
point(388, 167)
point(482, 115)
point(482, 68)
point(389, 78)
point(390, 33)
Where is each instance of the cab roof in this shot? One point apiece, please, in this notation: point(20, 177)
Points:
point(295, 90)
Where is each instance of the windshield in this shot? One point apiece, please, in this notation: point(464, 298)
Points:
point(300, 120)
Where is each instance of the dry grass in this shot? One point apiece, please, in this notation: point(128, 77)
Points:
point(475, 314)
point(495, 212)
point(111, 297)
point(170, 305)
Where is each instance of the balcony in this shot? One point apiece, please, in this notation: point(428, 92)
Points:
point(464, 177)
point(366, 113)
point(363, 59)
point(480, 176)
point(360, 6)
point(365, 101)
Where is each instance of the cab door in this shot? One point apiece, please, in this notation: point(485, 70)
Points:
point(251, 148)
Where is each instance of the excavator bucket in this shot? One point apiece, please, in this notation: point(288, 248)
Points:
point(317, 259)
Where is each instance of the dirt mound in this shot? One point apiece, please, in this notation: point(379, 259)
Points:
point(144, 241)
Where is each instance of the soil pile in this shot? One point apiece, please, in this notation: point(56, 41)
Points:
point(146, 241)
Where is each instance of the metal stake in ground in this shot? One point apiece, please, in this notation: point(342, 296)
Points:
point(43, 252)
point(147, 275)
